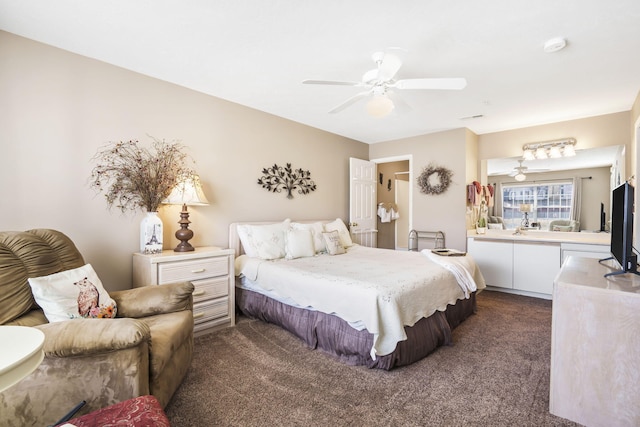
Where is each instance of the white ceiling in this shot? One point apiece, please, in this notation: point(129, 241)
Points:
point(257, 53)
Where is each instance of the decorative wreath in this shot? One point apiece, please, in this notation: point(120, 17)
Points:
point(434, 179)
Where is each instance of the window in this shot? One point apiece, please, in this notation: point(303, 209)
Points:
point(549, 200)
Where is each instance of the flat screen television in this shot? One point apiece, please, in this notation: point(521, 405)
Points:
point(622, 230)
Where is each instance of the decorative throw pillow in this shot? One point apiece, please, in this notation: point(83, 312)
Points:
point(316, 229)
point(72, 294)
point(562, 228)
point(264, 241)
point(299, 244)
point(333, 242)
point(342, 230)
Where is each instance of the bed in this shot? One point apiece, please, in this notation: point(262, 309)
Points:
point(364, 306)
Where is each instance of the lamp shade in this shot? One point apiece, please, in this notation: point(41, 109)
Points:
point(188, 191)
point(380, 106)
point(526, 207)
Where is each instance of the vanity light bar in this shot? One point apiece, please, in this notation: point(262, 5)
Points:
point(553, 149)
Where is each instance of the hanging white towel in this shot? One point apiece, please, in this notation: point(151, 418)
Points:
point(387, 212)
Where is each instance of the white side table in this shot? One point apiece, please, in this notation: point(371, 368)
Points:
point(21, 353)
point(210, 269)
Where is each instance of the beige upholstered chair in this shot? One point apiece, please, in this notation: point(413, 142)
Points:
point(146, 349)
point(564, 225)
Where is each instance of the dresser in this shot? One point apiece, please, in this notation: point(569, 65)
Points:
point(595, 345)
point(210, 269)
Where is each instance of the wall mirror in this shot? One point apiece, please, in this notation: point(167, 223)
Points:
point(593, 173)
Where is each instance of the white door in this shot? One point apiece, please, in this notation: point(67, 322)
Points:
point(402, 223)
point(362, 202)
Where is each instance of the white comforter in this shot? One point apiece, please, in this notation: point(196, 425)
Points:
point(383, 289)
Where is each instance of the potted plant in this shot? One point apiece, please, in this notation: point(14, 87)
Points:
point(481, 227)
point(139, 178)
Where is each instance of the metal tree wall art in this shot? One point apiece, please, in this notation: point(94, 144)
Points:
point(278, 178)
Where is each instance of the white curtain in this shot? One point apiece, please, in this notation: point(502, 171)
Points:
point(577, 198)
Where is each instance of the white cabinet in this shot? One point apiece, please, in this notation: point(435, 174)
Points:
point(521, 267)
point(585, 251)
point(495, 259)
point(535, 265)
point(210, 269)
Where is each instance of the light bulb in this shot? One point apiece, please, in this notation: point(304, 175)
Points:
point(379, 106)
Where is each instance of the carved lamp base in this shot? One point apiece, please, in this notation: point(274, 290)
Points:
point(184, 234)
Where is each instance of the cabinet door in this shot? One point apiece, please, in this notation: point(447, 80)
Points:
point(535, 266)
point(495, 260)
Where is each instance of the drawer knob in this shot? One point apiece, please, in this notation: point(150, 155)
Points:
point(198, 315)
point(200, 270)
point(198, 293)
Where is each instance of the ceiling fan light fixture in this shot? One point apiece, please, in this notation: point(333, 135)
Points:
point(380, 106)
point(520, 177)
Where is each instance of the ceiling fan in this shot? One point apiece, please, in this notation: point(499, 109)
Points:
point(381, 86)
point(519, 172)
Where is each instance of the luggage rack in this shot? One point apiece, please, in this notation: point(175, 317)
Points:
point(437, 237)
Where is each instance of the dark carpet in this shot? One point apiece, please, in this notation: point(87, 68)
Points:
point(495, 374)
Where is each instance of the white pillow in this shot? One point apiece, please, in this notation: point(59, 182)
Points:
point(264, 241)
point(342, 230)
point(333, 242)
point(72, 294)
point(316, 229)
point(495, 226)
point(299, 244)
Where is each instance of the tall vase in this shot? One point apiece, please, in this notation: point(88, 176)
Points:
point(151, 234)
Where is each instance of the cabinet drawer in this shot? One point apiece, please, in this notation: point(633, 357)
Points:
point(208, 289)
point(209, 310)
point(192, 270)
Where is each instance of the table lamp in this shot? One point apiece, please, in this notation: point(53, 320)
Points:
point(525, 208)
point(188, 192)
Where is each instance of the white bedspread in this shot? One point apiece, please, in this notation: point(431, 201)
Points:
point(383, 289)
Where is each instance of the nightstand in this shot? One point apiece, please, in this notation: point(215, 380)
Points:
point(210, 269)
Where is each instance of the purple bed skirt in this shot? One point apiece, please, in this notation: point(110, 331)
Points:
point(335, 337)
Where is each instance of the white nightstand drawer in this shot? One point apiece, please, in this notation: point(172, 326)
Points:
point(192, 270)
point(207, 289)
point(209, 310)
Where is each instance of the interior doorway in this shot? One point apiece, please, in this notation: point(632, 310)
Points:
point(394, 190)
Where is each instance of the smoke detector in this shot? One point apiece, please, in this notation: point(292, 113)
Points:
point(555, 44)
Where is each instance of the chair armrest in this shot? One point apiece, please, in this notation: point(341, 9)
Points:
point(152, 300)
point(82, 337)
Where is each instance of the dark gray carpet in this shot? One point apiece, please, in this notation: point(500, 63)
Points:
point(495, 374)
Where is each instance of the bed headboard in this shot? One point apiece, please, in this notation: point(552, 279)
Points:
point(234, 239)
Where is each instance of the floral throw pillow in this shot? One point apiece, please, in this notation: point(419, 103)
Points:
point(333, 242)
point(72, 294)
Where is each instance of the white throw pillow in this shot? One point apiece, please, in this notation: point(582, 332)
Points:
point(333, 242)
point(264, 241)
point(72, 294)
point(299, 244)
point(316, 229)
point(495, 226)
point(342, 230)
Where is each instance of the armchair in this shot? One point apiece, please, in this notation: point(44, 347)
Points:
point(564, 225)
point(146, 349)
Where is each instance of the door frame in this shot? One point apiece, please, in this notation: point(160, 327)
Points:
point(408, 157)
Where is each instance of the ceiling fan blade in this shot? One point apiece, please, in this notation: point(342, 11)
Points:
point(349, 102)
point(398, 103)
point(391, 63)
point(330, 82)
point(443, 83)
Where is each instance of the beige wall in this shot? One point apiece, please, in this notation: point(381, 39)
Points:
point(443, 212)
point(58, 108)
